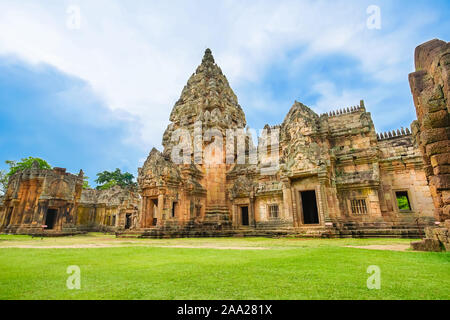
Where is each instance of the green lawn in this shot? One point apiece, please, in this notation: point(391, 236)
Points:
point(270, 269)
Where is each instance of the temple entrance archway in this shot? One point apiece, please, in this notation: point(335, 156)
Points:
point(309, 206)
point(50, 218)
point(244, 216)
point(128, 221)
point(154, 212)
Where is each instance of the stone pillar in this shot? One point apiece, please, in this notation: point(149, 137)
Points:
point(144, 212)
point(323, 197)
point(159, 213)
point(430, 87)
point(287, 199)
point(295, 210)
point(233, 215)
point(252, 221)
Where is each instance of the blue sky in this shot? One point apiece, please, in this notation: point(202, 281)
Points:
point(97, 96)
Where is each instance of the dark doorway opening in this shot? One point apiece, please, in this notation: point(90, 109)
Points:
point(174, 209)
point(128, 221)
point(244, 215)
point(309, 204)
point(155, 212)
point(50, 219)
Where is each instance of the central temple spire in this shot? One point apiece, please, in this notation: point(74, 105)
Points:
point(208, 57)
point(207, 97)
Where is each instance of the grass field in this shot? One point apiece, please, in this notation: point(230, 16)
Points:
point(231, 268)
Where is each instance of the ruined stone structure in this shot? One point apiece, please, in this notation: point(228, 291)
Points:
point(430, 87)
point(317, 175)
point(330, 174)
point(38, 197)
point(54, 198)
point(110, 210)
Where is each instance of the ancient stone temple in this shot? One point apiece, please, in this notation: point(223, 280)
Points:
point(52, 202)
point(328, 174)
point(38, 197)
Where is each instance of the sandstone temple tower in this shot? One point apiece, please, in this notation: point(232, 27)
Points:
point(194, 190)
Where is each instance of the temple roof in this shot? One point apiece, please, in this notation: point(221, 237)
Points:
point(206, 98)
point(206, 90)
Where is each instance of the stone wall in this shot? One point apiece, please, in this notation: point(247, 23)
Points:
point(401, 170)
point(108, 210)
point(430, 87)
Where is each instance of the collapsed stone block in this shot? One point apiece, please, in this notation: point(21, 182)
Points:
point(427, 245)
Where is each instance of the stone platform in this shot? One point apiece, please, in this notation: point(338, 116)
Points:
point(347, 231)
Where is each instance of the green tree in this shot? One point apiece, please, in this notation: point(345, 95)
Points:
point(86, 183)
point(107, 179)
point(15, 166)
point(403, 203)
point(25, 163)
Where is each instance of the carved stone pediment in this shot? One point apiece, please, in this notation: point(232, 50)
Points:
point(243, 187)
point(158, 171)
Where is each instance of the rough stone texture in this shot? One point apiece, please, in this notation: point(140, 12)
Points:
point(426, 245)
point(338, 155)
point(430, 87)
point(33, 194)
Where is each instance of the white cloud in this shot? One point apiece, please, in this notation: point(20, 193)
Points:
point(138, 56)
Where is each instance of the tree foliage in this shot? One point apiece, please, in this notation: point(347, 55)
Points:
point(86, 183)
point(15, 166)
point(107, 179)
point(25, 163)
point(403, 203)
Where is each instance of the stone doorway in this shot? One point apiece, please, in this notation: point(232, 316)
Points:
point(128, 221)
point(244, 216)
point(50, 218)
point(309, 206)
point(155, 212)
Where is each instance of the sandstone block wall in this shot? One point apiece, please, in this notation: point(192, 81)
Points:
point(430, 87)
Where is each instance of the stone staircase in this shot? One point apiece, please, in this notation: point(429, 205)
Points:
point(378, 230)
